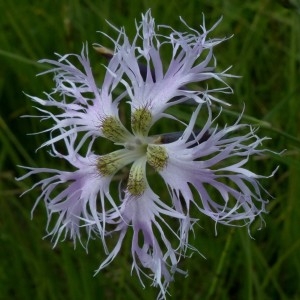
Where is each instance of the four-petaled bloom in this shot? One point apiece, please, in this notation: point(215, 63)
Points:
point(188, 162)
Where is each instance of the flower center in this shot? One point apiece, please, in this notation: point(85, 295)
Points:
point(138, 150)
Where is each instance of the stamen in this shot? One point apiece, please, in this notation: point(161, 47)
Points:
point(157, 156)
point(141, 120)
point(111, 163)
point(136, 181)
point(114, 130)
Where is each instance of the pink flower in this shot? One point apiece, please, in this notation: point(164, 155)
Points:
point(204, 171)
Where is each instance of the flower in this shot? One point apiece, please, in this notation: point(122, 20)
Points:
point(187, 162)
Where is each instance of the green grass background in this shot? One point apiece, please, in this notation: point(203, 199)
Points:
point(265, 51)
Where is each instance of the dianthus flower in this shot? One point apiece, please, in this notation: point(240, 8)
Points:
point(203, 170)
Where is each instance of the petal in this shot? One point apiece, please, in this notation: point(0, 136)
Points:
point(145, 215)
point(82, 105)
point(195, 167)
point(74, 200)
point(153, 88)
